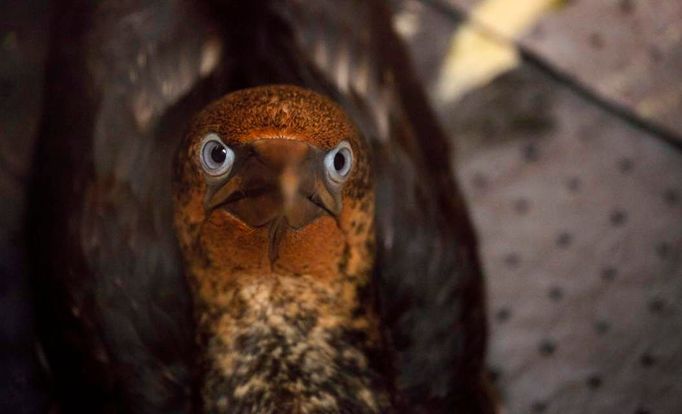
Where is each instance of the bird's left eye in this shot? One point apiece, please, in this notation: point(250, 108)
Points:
point(216, 157)
point(338, 162)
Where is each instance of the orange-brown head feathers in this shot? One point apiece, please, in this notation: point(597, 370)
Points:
point(273, 179)
point(274, 211)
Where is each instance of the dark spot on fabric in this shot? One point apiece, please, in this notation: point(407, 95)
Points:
point(521, 206)
point(594, 381)
point(626, 6)
point(512, 260)
point(556, 293)
point(564, 239)
point(626, 165)
point(671, 197)
point(656, 305)
point(655, 54)
point(547, 347)
point(479, 181)
point(574, 184)
point(663, 250)
point(641, 410)
point(609, 273)
point(530, 152)
point(602, 327)
point(618, 217)
point(538, 407)
point(503, 314)
point(596, 40)
point(647, 360)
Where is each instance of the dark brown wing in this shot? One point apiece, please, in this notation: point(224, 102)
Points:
point(114, 310)
point(123, 79)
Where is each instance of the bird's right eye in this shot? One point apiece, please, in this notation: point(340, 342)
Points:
point(216, 157)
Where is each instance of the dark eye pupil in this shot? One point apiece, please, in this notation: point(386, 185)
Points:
point(339, 161)
point(218, 154)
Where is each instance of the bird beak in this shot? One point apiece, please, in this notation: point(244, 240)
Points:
point(277, 182)
point(289, 183)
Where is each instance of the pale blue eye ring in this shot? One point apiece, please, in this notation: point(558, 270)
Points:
point(338, 162)
point(216, 157)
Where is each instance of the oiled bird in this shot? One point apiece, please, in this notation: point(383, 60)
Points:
point(202, 246)
point(275, 217)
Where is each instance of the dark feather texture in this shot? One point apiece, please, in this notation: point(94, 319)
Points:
point(124, 78)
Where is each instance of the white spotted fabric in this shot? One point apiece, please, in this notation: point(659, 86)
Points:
point(579, 216)
point(581, 234)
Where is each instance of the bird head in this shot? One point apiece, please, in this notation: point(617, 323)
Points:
point(274, 180)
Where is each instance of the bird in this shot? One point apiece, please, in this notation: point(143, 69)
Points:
point(275, 217)
point(248, 207)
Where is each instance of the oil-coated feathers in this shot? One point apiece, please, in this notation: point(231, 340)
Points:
point(124, 78)
point(114, 308)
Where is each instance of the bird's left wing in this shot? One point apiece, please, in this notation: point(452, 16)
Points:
point(123, 78)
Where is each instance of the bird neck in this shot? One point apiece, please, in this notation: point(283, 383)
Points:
point(292, 344)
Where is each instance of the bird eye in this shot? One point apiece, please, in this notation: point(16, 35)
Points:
point(339, 162)
point(216, 157)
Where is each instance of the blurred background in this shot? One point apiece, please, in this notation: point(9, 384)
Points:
point(566, 127)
